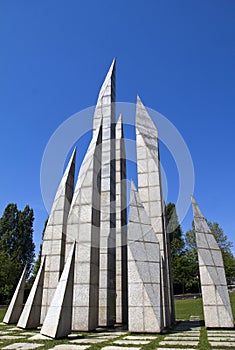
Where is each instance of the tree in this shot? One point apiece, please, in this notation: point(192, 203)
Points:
point(223, 242)
point(174, 230)
point(16, 247)
point(37, 261)
point(177, 247)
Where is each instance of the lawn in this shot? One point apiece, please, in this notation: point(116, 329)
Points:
point(193, 307)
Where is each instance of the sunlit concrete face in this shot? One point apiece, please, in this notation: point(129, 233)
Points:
point(216, 302)
point(150, 191)
point(144, 282)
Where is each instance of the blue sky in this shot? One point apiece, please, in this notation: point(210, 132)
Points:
point(177, 55)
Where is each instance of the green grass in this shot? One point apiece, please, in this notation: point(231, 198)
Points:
point(186, 308)
point(193, 307)
point(2, 313)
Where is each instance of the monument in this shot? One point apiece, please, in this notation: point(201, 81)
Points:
point(97, 267)
point(216, 303)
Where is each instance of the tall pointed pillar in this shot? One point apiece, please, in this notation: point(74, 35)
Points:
point(150, 191)
point(121, 227)
point(83, 227)
point(105, 109)
point(216, 302)
point(16, 305)
point(30, 316)
point(53, 247)
point(58, 321)
point(144, 282)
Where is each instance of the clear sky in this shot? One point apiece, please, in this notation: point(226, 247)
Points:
point(179, 56)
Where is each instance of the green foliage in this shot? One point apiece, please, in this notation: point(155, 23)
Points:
point(184, 267)
point(16, 247)
point(223, 242)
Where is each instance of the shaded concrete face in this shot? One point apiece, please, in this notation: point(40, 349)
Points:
point(216, 302)
point(150, 191)
point(16, 305)
point(121, 227)
point(144, 281)
point(53, 246)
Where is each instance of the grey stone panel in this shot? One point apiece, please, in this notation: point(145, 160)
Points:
point(144, 288)
point(121, 227)
point(149, 188)
point(53, 246)
point(58, 321)
point(216, 302)
point(30, 316)
point(16, 305)
point(105, 109)
point(84, 227)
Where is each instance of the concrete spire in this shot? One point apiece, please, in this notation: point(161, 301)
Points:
point(150, 191)
point(58, 321)
point(106, 110)
point(16, 305)
point(30, 316)
point(144, 281)
point(216, 302)
point(83, 226)
point(106, 97)
point(53, 247)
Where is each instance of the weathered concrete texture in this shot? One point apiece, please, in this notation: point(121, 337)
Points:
point(179, 343)
point(105, 110)
point(30, 316)
point(150, 191)
point(58, 321)
point(14, 309)
point(84, 227)
point(22, 346)
point(121, 227)
point(144, 291)
point(70, 347)
point(216, 302)
point(53, 246)
point(131, 342)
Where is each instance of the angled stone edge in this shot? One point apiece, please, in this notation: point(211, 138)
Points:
point(61, 189)
point(53, 246)
point(216, 302)
point(14, 309)
point(144, 121)
point(106, 96)
point(146, 134)
point(86, 163)
point(57, 323)
point(30, 316)
point(107, 79)
point(144, 282)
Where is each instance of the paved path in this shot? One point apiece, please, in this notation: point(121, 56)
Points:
point(185, 336)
